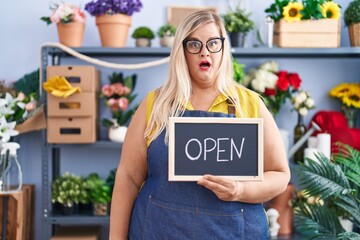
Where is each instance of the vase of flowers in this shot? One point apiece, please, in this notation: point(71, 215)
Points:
point(273, 85)
point(302, 103)
point(349, 96)
point(113, 19)
point(70, 22)
point(306, 23)
point(118, 97)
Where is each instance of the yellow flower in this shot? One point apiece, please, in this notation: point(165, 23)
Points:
point(352, 98)
point(291, 12)
point(340, 90)
point(331, 10)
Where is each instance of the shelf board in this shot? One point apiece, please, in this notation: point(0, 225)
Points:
point(264, 52)
point(98, 144)
point(78, 219)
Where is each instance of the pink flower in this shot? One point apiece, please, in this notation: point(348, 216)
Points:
point(123, 103)
point(30, 106)
point(127, 90)
point(78, 15)
point(55, 17)
point(113, 104)
point(107, 90)
point(21, 96)
point(117, 88)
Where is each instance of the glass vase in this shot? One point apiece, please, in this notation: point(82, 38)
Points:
point(299, 131)
point(350, 115)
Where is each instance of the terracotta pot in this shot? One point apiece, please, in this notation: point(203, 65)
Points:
point(354, 34)
point(71, 34)
point(286, 214)
point(113, 29)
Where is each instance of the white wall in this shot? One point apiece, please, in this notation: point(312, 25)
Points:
point(22, 34)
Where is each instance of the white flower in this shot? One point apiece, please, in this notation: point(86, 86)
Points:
point(7, 130)
point(258, 85)
point(309, 103)
point(270, 66)
point(303, 111)
point(301, 97)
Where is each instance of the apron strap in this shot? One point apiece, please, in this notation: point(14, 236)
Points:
point(231, 107)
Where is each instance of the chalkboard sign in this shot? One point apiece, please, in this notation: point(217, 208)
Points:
point(228, 147)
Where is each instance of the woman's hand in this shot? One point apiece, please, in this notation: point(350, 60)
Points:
point(224, 188)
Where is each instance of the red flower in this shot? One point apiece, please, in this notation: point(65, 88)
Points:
point(294, 80)
point(270, 92)
point(283, 83)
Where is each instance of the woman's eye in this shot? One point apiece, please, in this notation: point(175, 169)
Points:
point(194, 44)
point(212, 43)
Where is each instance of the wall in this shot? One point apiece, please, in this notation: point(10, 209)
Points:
point(22, 34)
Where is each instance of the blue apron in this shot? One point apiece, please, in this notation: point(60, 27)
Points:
point(185, 210)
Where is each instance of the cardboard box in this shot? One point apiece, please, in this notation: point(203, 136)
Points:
point(78, 104)
point(322, 33)
point(71, 130)
point(77, 233)
point(85, 77)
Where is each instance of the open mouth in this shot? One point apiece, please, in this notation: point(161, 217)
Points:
point(204, 65)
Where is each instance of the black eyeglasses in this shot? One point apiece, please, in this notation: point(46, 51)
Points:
point(194, 46)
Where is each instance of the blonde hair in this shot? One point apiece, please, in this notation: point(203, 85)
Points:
point(173, 96)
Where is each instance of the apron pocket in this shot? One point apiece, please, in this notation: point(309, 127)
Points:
point(184, 222)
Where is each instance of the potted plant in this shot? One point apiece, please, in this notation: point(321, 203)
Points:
point(68, 191)
point(118, 96)
point(166, 34)
point(70, 21)
point(352, 21)
point(238, 23)
point(330, 193)
point(305, 23)
point(99, 194)
point(143, 36)
point(113, 19)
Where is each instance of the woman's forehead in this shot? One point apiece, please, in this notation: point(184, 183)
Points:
point(206, 31)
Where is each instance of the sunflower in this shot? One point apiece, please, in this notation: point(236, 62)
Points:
point(331, 10)
point(340, 90)
point(291, 12)
point(352, 98)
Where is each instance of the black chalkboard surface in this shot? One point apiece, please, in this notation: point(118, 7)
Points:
point(229, 147)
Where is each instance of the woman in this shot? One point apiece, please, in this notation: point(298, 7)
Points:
point(145, 205)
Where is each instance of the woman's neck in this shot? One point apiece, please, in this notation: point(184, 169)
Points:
point(203, 98)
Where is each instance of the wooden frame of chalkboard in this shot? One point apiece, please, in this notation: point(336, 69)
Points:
point(227, 147)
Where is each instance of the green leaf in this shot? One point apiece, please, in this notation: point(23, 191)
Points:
point(28, 84)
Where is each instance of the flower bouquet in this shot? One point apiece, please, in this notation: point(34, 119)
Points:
point(349, 96)
point(306, 23)
point(113, 19)
point(302, 102)
point(118, 96)
point(70, 20)
point(273, 85)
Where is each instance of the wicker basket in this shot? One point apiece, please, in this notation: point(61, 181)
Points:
point(354, 34)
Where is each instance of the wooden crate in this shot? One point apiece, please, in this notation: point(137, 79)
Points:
point(20, 214)
point(323, 33)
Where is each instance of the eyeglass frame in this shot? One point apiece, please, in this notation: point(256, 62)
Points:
point(185, 41)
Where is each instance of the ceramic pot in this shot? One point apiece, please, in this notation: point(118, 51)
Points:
point(167, 41)
point(143, 42)
point(113, 29)
point(71, 34)
point(117, 134)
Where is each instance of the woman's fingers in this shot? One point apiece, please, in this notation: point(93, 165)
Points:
point(224, 188)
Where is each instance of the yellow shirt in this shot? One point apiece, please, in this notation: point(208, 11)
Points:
point(249, 102)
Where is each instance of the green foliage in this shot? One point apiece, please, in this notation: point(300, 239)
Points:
point(352, 13)
point(28, 84)
point(238, 20)
point(99, 191)
point(239, 72)
point(276, 9)
point(312, 9)
point(118, 77)
point(143, 32)
point(110, 180)
point(69, 189)
point(166, 30)
point(336, 184)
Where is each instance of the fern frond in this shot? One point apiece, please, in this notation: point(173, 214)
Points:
point(316, 222)
point(348, 236)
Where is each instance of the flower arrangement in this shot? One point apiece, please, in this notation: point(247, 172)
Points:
point(118, 98)
point(101, 7)
point(166, 30)
point(13, 110)
point(302, 102)
point(294, 10)
point(349, 96)
point(65, 13)
point(273, 85)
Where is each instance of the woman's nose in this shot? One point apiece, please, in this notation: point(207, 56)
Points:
point(204, 52)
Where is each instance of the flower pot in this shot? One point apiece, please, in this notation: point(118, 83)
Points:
point(167, 41)
point(117, 134)
point(101, 209)
point(71, 34)
point(354, 34)
point(113, 29)
point(237, 39)
point(143, 42)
